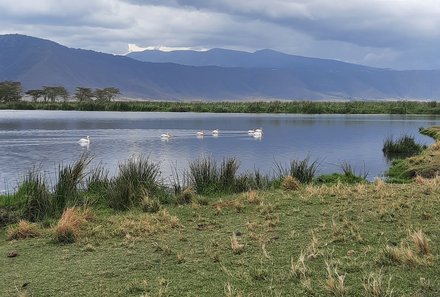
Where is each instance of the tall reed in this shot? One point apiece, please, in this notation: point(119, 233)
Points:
point(303, 170)
point(404, 146)
point(137, 177)
point(69, 179)
point(36, 196)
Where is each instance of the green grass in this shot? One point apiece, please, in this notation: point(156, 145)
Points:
point(303, 107)
point(186, 250)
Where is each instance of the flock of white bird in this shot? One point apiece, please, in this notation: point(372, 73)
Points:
point(256, 133)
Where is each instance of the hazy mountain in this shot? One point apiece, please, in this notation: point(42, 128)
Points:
point(231, 58)
point(37, 62)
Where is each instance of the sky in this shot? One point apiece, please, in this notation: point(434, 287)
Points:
point(398, 34)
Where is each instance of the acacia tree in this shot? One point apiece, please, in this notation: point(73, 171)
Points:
point(106, 94)
point(84, 94)
point(35, 94)
point(52, 93)
point(10, 91)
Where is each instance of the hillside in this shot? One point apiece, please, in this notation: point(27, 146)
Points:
point(36, 63)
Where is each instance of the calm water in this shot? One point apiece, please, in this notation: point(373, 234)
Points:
point(45, 139)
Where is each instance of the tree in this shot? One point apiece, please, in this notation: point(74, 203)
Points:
point(52, 93)
point(106, 94)
point(84, 94)
point(35, 94)
point(10, 91)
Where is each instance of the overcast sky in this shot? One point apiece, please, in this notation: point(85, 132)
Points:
point(400, 34)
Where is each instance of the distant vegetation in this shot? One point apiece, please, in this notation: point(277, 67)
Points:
point(88, 99)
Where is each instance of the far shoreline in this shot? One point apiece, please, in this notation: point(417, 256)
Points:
point(269, 107)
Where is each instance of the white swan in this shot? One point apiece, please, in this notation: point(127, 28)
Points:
point(258, 134)
point(84, 140)
point(166, 135)
point(215, 132)
point(200, 133)
point(251, 132)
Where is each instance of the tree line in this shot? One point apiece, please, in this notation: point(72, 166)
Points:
point(11, 91)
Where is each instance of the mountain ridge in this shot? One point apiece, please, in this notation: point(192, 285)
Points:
point(37, 62)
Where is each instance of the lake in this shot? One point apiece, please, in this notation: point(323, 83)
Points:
point(45, 139)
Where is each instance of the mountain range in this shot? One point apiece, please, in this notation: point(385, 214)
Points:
point(217, 74)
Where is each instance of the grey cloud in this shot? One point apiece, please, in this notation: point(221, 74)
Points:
point(384, 33)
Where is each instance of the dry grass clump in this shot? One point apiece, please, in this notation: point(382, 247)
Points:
point(69, 226)
point(236, 246)
point(312, 250)
point(298, 268)
point(166, 219)
point(335, 282)
point(24, 229)
point(186, 196)
point(290, 183)
point(151, 205)
point(375, 286)
point(419, 254)
point(421, 243)
point(252, 197)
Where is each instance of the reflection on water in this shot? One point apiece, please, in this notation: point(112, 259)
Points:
point(47, 138)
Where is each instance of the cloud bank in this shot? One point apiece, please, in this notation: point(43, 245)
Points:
point(401, 34)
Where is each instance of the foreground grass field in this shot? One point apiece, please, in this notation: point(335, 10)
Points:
point(291, 235)
point(341, 240)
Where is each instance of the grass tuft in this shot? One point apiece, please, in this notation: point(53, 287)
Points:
point(290, 183)
point(69, 179)
point(375, 286)
point(335, 282)
point(37, 198)
point(69, 226)
point(405, 146)
point(237, 247)
point(137, 177)
point(303, 170)
point(24, 229)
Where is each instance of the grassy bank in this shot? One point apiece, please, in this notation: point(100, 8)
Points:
point(315, 241)
point(215, 232)
point(426, 164)
point(300, 107)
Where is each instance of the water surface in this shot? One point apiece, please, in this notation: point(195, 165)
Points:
point(44, 139)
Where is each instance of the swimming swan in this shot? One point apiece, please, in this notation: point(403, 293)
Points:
point(200, 133)
point(84, 140)
point(166, 135)
point(215, 132)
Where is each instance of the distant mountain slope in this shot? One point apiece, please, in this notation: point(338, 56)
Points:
point(37, 62)
point(231, 58)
